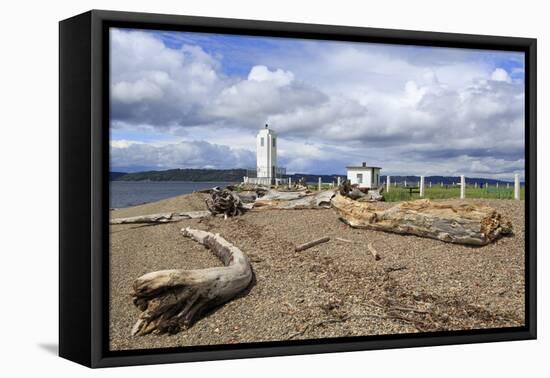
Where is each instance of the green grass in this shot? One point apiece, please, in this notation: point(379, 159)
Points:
point(400, 194)
point(324, 186)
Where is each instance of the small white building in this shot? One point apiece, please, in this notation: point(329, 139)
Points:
point(364, 176)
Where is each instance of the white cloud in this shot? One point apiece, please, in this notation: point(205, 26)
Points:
point(137, 91)
point(500, 74)
point(278, 77)
point(123, 143)
point(156, 85)
point(184, 154)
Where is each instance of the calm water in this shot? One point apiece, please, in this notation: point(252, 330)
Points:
point(131, 193)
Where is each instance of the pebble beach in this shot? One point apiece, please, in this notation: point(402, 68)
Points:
point(335, 289)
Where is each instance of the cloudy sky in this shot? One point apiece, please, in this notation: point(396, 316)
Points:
point(190, 100)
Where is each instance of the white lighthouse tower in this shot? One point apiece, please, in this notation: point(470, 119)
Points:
point(266, 156)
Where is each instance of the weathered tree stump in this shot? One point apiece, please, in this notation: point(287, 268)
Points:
point(171, 300)
point(447, 221)
point(225, 202)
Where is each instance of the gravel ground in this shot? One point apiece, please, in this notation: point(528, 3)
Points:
point(332, 290)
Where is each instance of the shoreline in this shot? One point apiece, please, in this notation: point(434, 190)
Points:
point(124, 194)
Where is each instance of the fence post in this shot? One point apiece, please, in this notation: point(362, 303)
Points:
point(462, 187)
point(405, 183)
point(338, 181)
point(430, 184)
point(507, 185)
point(497, 185)
point(388, 183)
point(290, 182)
point(516, 187)
point(319, 184)
point(421, 185)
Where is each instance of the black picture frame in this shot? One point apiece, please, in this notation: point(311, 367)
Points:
point(84, 187)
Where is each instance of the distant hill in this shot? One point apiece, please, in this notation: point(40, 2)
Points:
point(229, 175)
point(116, 175)
point(198, 175)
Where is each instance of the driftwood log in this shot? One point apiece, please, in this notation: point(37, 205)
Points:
point(447, 221)
point(295, 200)
point(225, 202)
point(161, 217)
point(345, 187)
point(374, 194)
point(248, 196)
point(283, 195)
point(171, 300)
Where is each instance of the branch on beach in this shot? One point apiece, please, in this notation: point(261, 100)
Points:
point(447, 221)
point(161, 217)
point(373, 251)
point(172, 300)
point(313, 243)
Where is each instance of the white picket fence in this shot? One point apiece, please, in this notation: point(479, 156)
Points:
point(421, 184)
point(462, 184)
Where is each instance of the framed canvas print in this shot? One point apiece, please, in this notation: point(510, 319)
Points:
point(234, 188)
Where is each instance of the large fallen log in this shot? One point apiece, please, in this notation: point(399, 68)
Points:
point(248, 196)
point(297, 200)
point(282, 195)
point(448, 221)
point(172, 300)
point(161, 217)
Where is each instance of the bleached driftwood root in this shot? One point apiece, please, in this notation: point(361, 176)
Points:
point(171, 300)
point(447, 221)
point(226, 202)
point(162, 217)
point(295, 200)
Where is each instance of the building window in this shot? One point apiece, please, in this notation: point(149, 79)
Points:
point(262, 141)
point(273, 142)
point(359, 178)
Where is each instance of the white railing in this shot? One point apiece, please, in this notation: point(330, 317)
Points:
point(462, 184)
point(265, 172)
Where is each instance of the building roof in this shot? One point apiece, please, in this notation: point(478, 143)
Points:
point(361, 167)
